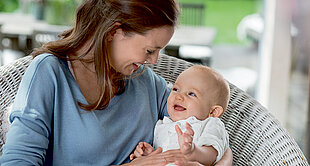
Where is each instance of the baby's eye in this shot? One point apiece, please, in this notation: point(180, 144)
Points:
point(175, 89)
point(192, 94)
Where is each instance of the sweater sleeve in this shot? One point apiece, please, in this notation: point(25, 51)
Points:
point(214, 134)
point(162, 92)
point(28, 138)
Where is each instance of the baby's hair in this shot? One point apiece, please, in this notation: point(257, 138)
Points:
point(223, 92)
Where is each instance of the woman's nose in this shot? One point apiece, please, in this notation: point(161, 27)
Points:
point(152, 59)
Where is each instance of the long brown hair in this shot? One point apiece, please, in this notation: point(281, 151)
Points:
point(94, 21)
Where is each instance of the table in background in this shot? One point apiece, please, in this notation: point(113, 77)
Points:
point(18, 31)
point(192, 37)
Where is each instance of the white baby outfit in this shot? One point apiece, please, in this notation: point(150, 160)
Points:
point(208, 132)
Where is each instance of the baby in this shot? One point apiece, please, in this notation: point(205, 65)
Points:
point(199, 97)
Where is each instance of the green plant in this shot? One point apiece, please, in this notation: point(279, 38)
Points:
point(61, 12)
point(8, 5)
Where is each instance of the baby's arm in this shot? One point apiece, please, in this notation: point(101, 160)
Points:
point(205, 155)
point(142, 149)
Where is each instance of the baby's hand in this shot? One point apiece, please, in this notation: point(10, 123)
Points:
point(142, 149)
point(185, 139)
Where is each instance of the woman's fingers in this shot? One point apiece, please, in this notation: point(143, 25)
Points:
point(160, 159)
point(171, 156)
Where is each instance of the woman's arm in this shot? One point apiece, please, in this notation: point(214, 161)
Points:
point(157, 158)
point(175, 156)
point(27, 139)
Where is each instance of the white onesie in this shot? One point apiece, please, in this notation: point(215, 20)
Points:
point(208, 132)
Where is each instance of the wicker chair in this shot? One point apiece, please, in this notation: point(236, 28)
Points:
point(256, 137)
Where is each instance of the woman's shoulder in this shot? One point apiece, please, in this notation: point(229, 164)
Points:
point(46, 61)
point(45, 64)
point(45, 58)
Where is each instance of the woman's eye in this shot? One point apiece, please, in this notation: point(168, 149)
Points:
point(192, 94)
point(149, 52)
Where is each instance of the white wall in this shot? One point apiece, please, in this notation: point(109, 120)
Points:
point(275, 58)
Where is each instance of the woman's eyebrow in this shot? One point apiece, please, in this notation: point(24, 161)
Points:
point(156, 47)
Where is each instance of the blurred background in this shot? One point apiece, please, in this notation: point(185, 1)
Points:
point(262, 46)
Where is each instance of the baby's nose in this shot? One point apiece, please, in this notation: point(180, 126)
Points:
point(179, 96)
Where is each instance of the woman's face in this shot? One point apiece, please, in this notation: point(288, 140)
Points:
point(128, 52)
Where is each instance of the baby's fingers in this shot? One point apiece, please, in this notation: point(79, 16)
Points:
point(148, 148)
point(157, 151)
point(147, 145)
point(187, 146)
point(137, 154)
point(132, 156)
point(178, 130)
point(189, 129)
point(139, 150)
point(187, 137)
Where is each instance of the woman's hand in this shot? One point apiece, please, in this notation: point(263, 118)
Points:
point(156, 158)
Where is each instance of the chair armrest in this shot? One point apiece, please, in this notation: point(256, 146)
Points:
point(10, 77)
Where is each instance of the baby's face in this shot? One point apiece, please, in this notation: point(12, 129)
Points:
point(191, 95)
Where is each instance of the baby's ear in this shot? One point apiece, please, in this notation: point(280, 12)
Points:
point(216, 111)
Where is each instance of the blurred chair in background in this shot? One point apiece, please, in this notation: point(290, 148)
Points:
point(41, 36)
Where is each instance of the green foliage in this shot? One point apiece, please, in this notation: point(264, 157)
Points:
point(8, 5)
point(225, 15)
point(61, 12)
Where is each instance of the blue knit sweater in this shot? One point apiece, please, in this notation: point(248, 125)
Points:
point(49, 128)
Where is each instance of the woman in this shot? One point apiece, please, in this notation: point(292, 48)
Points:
point(83, 98)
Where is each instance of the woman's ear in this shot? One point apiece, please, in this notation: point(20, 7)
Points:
point(216, 111)
point(115, 29)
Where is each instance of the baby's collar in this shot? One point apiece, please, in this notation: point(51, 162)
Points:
point(190, 120)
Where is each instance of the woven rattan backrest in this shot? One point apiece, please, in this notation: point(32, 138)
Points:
point(10, 77)
point(256, 137)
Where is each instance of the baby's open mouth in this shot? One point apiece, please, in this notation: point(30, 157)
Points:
point(179, 108)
